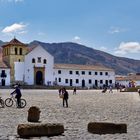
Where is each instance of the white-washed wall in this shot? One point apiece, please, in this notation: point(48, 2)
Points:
point(7, 78)
point(126, 83)
point(19, 71)
point(29, 66)
point(86, 77)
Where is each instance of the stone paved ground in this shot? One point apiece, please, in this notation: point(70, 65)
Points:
point(86, 106)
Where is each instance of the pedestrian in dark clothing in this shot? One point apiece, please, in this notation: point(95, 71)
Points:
point(65, 97)
point(74, 91)
point(60, 91)
point(18, 95)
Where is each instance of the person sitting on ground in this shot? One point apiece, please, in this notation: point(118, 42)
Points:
point(18, 95)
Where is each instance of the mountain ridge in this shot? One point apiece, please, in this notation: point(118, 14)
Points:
point(73, 53)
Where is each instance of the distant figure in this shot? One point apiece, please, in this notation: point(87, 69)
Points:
point(65, 97)
point(74, 91)
point(18, 95)
point(60, 91)
point(117, 86)
point(110, 89)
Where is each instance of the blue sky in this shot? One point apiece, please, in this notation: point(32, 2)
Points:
point(109, 25)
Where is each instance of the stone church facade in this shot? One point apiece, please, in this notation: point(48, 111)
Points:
point(35, 66)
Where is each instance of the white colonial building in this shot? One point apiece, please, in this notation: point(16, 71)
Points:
point(83, 75)
point(35, 66)
point(132, 79)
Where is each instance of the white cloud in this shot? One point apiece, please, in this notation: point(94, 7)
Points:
point(76, 39)
point(128, 47)
point(102, 48)
point(115, 30)
point(15, 28)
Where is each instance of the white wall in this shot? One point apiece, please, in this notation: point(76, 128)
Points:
point(29, 66)
point(126, 83)
point(19, 71)
point(65, 75)
point(7, 79)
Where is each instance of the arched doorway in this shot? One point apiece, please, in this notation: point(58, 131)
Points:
point(39, 78)
point(83, 83)
point(39, 73)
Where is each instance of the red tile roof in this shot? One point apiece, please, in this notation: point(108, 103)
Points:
point(128, 78)
point(14, 42)
point(81, 67)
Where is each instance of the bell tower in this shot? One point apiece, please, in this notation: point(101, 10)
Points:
point(14, 51)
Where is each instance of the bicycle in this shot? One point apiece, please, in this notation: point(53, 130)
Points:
point(2, 102)
point(10, 101)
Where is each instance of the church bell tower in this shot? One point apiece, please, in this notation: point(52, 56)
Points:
point(14, 51)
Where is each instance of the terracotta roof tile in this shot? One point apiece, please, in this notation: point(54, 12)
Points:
point(81, 67)
point(128, 78)
point(14, 42)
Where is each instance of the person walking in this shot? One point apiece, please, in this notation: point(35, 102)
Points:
point(110, 89)
point(74, 91)
point(65, 97)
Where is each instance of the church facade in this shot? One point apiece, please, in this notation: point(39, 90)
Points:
point(35, 66)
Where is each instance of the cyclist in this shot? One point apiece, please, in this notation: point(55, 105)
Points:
point(18, 95)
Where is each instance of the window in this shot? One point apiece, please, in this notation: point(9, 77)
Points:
point(3, 71)
point(89, 72)
point(77, 81)
point(15, 51)
point(101, 73)
point(20, 51)
point(3, 74)
point(39, 59)
point(59, 71)
point(70, 72)
point(110, 81)
point(101, 81)
point(77, 72)
point(106, 73)
point(96, 73)
point(59, 79)
point(45, 61)
point(83, 72)
point(33, 60)
point(66, 80)
point(89, 81)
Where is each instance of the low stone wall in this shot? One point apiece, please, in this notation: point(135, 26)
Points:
point(106, 128)
point(28, 130)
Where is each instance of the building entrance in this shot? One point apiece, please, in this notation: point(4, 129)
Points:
point(83, 83)
point(39, 75)
point(39, 78)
